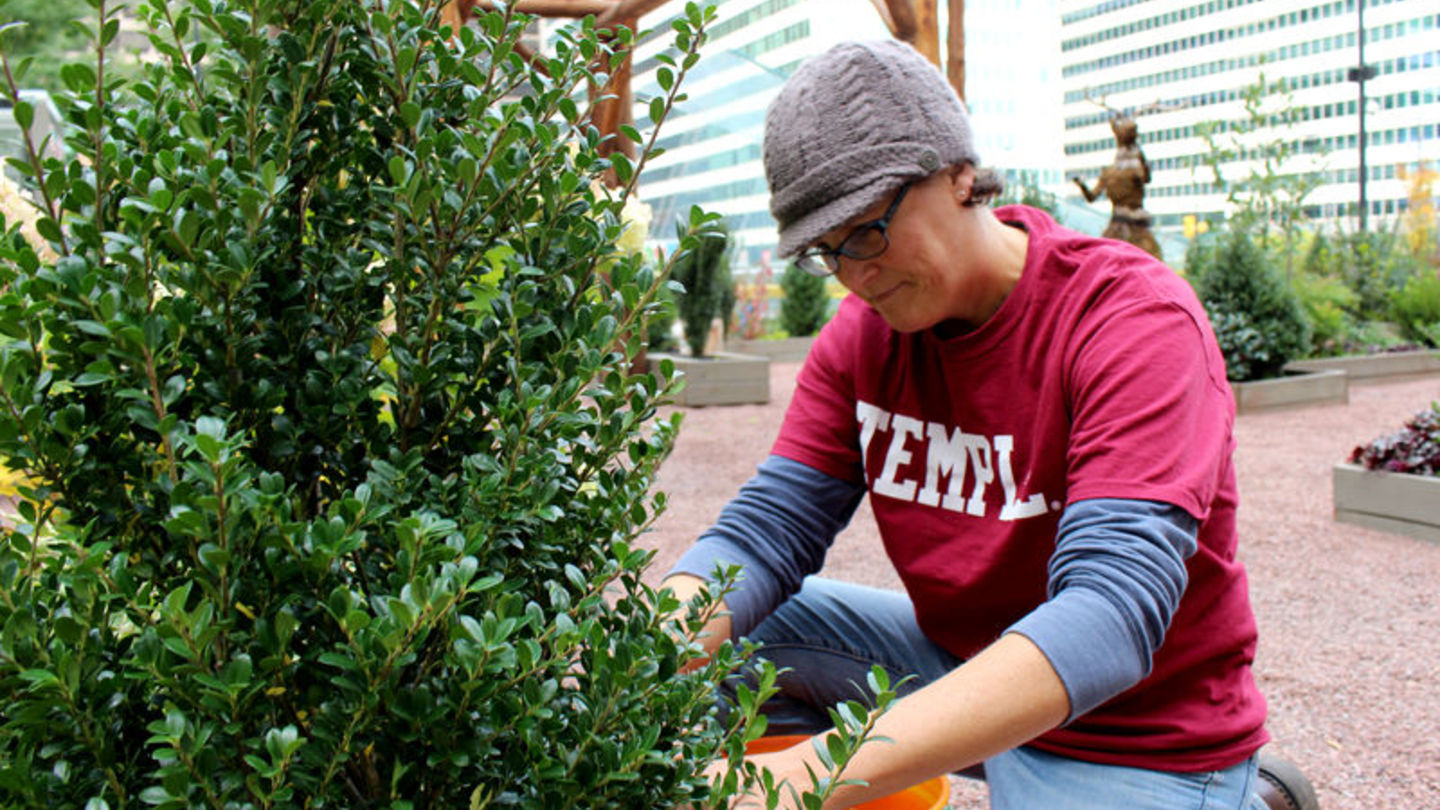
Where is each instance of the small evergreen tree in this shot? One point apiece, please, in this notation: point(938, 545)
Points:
point(806, 305)
point(1257, 317)
point(704, 279)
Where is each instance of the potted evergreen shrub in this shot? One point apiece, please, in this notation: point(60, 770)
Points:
point(1393, 483)
point(703, 295)
point(331, 461)
point(1260, 325)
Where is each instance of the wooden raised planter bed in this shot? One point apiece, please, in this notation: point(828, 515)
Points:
point(782, 350)
point(1390, 502)
point(724, 378)
point(1370, 366)
point(1291, 391)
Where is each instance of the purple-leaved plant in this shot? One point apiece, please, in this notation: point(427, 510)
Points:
point(1415, 449)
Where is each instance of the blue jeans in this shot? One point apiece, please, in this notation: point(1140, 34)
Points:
point(831, 633)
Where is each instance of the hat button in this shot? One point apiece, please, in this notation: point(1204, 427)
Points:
point(929, 161)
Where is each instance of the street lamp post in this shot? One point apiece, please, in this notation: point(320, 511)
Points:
point(1359, 75)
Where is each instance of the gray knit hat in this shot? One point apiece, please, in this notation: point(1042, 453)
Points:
point(852, 125)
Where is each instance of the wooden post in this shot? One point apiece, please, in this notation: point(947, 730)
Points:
point(610, 114)
point(927, 31)
point(955, 47)
point(915, 22)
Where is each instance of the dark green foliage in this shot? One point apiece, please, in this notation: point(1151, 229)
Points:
point(1415, 449)
point(728, 295)
point(705, 274)
point(806, 305)
point(339, 461)
point(1257, 316)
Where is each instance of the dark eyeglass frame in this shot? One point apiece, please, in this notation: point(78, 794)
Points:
point(822, 261)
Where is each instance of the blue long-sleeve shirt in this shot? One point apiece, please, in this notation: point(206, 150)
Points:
point(1115, 578)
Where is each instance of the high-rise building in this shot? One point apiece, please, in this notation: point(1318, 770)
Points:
point(1177, 64)
point(1012, 88)
point(713, 143)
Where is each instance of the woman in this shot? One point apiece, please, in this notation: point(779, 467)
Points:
point(1042, 422)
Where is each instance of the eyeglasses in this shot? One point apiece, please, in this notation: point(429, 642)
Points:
point(866, 241)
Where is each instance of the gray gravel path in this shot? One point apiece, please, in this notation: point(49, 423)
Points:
point(1349, 654)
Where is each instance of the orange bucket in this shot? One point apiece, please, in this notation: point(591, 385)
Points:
point(932, 794)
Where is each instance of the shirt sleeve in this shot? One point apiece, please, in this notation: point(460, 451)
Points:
point(1115, 581)
point(1139, 379)
point(777, 530)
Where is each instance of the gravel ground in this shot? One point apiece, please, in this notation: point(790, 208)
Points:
point(1349, 654)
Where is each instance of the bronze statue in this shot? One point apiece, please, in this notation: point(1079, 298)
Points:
point(1124, 183)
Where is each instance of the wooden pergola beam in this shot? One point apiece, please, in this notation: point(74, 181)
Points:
point(628, 10)
point(903, 23)
point(927, 31)
point(955, 47)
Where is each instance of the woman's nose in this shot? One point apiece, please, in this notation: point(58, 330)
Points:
point(855, 274)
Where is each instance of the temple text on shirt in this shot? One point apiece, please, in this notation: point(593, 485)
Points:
point(950, 454)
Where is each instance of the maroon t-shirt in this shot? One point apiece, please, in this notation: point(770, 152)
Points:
point(1099, 377)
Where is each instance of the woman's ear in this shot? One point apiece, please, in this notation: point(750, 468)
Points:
point(962, 182)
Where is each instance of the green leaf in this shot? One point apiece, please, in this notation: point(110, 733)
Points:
point(400, 170)
point(24, 114)
point(156, 796)
point(39, 678)
point(624, 170)
point(92, 328)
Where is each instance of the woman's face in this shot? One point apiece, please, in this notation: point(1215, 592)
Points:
point(924, 276)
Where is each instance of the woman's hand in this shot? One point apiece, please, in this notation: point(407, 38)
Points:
point(787, 768)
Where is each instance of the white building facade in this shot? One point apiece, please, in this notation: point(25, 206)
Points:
point(1178, 63)
point(713, 140)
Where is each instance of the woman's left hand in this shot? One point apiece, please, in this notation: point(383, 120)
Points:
point(786, 766)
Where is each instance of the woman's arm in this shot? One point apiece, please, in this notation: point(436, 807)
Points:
point(1117, 576)
point(777, 530)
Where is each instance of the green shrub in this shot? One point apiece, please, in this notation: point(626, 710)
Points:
point(806, 305)
point(1373, 264)
point(704, 277)
point(337, 462)
point(1416, 307)
point(1256, 315)
point(1326, 302)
